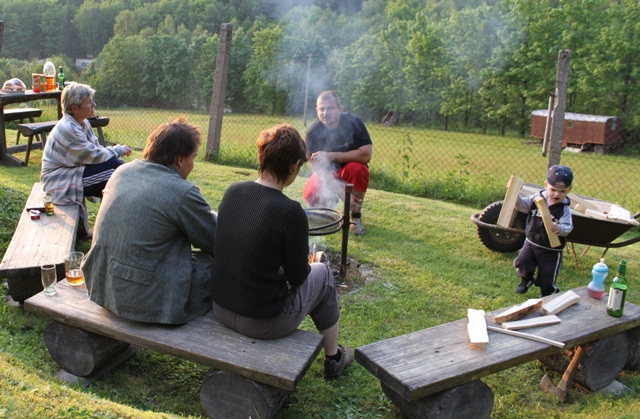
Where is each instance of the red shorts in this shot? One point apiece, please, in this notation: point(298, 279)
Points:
point(353, 172)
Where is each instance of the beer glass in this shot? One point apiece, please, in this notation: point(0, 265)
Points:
point(47, 198)
point(72, 268)
point(48, 277)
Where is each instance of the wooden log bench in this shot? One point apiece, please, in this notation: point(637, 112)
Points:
point(252, 377)
point(435, 372)
point(20, 114)
point(38, 242)
point(40, 130)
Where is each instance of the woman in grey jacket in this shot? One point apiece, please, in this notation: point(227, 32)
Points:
point(140, 265)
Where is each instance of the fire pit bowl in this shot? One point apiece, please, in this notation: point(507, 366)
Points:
point(323, 221)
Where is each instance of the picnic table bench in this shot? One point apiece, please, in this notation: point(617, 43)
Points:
point(40, 129)
point(435, 372)
point(38, 242)
point(252, 377)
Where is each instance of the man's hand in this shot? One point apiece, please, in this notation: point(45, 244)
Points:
point(127, 150)
point(321, 157)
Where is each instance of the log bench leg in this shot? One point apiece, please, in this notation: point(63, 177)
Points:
point(633, 360)
point(230, 396)
point(22, 287)
point(598, 367)
point(84, 354)
point(471, 400)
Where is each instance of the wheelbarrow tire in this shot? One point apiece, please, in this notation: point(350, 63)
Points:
point(501, 241)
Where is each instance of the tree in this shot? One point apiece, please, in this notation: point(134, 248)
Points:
point(264, 73)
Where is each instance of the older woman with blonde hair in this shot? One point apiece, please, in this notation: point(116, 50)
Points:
point(74, 164)
point(262, 283)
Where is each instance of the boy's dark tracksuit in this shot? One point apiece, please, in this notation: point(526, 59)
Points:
point(537, 252)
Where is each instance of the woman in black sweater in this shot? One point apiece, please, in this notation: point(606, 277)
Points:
point(263, 285)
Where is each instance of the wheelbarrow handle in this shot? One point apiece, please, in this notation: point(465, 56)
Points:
point(475, 218)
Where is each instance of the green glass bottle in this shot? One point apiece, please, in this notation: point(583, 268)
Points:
point(618, 291)
point(61, 79)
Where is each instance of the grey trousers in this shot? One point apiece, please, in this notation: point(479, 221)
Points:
point(316, 297)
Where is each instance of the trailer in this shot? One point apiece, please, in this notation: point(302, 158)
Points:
point(587, 132)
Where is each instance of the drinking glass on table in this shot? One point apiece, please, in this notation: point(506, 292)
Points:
point(72, 268)
point(49, 279)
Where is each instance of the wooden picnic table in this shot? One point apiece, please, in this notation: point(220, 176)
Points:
point(6, 156)
point(429, 361)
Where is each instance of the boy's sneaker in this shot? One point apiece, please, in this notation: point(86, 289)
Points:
point(357, 227)
point(334, 369)
point(547, 292)
point(524, 286)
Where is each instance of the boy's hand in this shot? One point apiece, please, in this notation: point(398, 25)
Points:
point(555, 228)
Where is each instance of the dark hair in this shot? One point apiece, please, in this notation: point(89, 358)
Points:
point(279, 148)
point(177, 138)
point(330, 94)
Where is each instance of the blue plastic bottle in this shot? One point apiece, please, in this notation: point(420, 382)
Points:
point(595, 289)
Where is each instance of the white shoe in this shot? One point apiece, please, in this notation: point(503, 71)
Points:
point(356, 227)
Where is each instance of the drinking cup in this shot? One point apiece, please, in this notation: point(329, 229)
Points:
point(47, 198)
point(49, 279)
point(72, 270)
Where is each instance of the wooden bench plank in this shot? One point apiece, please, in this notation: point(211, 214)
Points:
point(279, 362)
point(439, 358)
point(38, 242)
point(20, 114)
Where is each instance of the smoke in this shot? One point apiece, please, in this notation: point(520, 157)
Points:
point(331, 189)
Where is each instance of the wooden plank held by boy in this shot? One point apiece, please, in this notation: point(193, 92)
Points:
point(509, 203)
point(541, 203)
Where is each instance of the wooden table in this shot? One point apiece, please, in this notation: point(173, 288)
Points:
point(6, 157)
point(439, 358)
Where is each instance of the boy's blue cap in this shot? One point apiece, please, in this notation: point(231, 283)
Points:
point(559, 176)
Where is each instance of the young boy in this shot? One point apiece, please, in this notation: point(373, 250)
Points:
point(537, 252)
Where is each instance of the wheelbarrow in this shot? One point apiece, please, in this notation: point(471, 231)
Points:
point(586, 230)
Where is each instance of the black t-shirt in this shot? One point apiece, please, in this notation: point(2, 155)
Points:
point(350, 134)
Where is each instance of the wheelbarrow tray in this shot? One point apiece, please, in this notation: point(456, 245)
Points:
point(586, 230)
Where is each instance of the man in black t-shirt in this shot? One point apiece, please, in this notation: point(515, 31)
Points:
point(339, 148)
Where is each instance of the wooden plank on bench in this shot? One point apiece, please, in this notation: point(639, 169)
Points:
point(38, 242)
point(278, 362)
point(428, 361)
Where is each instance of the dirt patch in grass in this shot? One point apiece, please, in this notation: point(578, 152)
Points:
point(356, 272)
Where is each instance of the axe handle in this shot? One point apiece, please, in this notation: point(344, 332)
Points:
point(565, 382)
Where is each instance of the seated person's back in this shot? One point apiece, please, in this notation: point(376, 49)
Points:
point(141, 265)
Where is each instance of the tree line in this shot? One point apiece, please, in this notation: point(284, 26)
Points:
point(474, 65)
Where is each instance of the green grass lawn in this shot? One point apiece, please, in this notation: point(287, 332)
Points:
point(428, 267)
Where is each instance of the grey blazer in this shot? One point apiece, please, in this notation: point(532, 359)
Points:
point(140, 265)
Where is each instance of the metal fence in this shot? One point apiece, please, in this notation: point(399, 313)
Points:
point(418, 158)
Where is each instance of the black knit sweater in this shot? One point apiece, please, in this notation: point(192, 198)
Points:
point(259, 231)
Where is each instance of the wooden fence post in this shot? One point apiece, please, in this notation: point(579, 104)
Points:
point(562, 81)
point(1, 32)
point(219, 89)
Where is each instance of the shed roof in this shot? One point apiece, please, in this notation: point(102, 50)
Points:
point(577, 116)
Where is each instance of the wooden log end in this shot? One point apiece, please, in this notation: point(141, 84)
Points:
point(80, 352)
point(470, 400)
point(225, 395)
